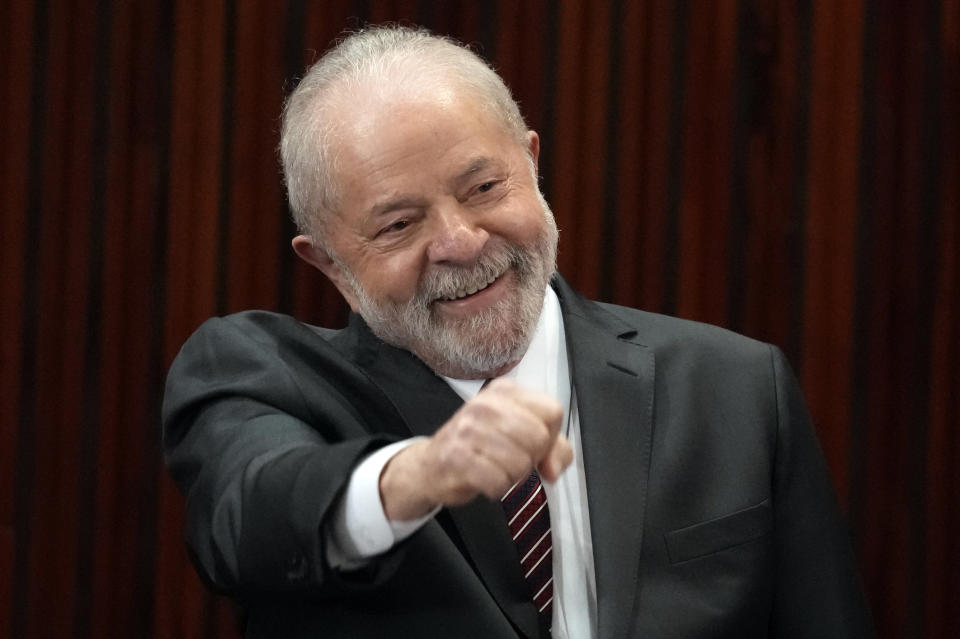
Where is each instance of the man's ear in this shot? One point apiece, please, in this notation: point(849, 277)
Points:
point(314, 255)
point(533, 148)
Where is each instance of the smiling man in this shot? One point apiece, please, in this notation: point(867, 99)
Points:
point(482, 452)
point(439, 237)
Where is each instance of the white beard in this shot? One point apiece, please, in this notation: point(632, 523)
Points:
point(477, 346)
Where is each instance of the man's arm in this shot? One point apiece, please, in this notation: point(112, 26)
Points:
point(259, 466)
point(264, 470)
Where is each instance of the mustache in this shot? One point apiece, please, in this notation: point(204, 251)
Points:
point(441, 282)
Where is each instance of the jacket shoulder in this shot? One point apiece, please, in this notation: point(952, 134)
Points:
point(666, 334)
point(265, 326)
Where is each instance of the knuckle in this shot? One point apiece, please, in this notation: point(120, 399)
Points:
point(555, 412)
point(466, 427)
point(479, 408)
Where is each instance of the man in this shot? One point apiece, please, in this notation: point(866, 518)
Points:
point(349, 483)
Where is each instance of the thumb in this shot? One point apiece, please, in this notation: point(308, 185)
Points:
point(556, 460)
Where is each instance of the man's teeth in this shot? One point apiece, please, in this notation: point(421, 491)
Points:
point(470, 290)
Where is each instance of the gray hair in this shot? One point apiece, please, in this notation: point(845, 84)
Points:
point(385, 57)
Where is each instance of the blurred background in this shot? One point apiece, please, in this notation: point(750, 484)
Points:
point(787, 169)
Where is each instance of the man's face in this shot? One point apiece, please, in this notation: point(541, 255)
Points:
point(442, 241)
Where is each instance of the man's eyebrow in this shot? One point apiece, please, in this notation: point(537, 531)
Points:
point(475, 166)
point(402, 201)
point(394, 203)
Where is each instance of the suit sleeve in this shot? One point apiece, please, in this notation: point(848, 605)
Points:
point(261, 468)
point(818, 592)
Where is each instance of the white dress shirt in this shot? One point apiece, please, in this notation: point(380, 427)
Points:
point(360, 529)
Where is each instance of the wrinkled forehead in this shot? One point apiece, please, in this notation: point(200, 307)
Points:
point(403, 127)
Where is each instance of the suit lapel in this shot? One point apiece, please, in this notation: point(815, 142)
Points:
point(479, 529)
point(614, 380)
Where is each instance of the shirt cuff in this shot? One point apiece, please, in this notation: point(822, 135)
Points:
point(359, 528)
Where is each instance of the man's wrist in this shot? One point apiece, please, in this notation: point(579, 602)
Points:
point(402, 487)
point(358, 528)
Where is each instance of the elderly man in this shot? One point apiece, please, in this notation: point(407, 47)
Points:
point(482, 452)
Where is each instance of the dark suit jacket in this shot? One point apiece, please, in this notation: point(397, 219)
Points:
point(711, 509)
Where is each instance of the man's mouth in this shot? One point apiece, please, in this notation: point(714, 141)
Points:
point(470, 290)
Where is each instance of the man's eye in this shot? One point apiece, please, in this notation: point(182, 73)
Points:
point(399, 225)
point(485, 187)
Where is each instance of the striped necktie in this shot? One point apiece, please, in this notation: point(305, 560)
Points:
point(525, 506)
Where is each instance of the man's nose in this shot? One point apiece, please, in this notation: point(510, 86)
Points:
point(456, 236)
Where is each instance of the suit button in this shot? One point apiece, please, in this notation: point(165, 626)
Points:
point(297, 568)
